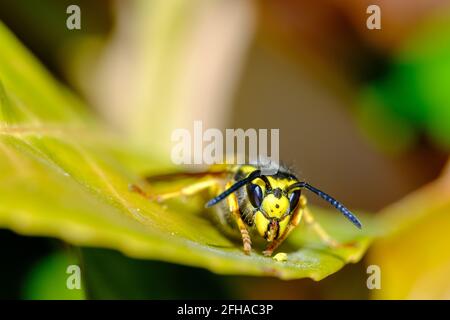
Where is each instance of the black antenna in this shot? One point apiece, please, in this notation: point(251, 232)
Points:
point(350, 216)
point(252, 176)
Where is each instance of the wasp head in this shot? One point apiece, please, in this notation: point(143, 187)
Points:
point(273, 204)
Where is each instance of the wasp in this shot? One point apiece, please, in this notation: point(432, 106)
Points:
point(252, 204)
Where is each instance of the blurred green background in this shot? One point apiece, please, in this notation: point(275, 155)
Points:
point(363, 113)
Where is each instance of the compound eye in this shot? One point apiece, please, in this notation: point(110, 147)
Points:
point(293, 199)
point(255, 194)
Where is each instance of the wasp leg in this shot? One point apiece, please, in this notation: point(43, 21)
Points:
point(293, 223)
point(234, 209)
point(212, 172)
point(185, 191)
point(324, 236)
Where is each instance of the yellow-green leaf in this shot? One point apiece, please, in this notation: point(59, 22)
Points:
point(64, 176)
point(413, 254)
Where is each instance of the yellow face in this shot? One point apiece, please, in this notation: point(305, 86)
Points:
point(274, 205)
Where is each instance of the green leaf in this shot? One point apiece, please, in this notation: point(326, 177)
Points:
point(65, 176)
point(48, 279)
